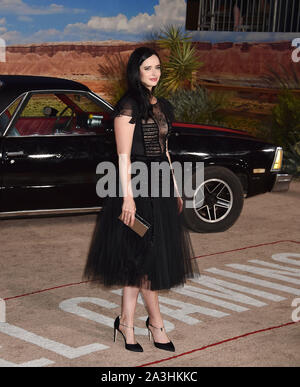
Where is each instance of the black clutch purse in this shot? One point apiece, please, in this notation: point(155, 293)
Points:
point(140, 226)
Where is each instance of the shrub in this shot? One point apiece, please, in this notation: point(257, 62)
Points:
point(114, 69)
point(286, 120)
point(291, 159)
point(287, 77)
point(198, 105)
point(181, 63)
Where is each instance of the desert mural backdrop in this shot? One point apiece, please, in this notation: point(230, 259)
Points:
point(247, 71)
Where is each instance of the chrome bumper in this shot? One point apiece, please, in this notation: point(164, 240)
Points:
point(282, 182)
point(56, 211)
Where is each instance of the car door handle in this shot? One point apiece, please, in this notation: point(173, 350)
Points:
point(13, 154)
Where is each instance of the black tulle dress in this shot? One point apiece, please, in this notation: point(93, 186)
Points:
point(164, 257)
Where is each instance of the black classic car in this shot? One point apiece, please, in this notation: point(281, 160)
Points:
point(54, 132)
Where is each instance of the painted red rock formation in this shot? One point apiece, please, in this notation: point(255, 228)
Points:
point(244, 60)
point(224, 62)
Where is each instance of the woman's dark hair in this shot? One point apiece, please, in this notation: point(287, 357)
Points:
point(135, 87)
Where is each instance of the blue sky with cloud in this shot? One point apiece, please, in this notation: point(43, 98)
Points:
point(36, 21)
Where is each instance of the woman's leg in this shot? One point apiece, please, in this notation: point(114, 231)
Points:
point(152, 306)
point(129, 300)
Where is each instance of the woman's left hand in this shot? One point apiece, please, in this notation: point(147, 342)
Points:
point(180, 204)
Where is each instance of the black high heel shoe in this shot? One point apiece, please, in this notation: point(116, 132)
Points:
point(131, 347)
point(166, 346)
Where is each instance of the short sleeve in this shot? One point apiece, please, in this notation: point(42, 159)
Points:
point(126, 106)
point(168, 109)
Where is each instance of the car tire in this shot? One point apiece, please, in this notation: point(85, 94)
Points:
point(217, 202)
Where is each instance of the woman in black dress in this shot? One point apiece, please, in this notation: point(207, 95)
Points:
point(163, 257)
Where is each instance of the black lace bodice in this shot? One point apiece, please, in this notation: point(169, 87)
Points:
point(154, 131)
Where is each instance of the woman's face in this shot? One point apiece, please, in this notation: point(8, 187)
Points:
point(150, 72)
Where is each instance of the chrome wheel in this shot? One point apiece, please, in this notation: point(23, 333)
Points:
point(216, 202)
point(213, 200)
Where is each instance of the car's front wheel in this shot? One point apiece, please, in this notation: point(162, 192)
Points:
point(216, 203)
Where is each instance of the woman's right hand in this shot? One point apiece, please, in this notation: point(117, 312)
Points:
point(128, 211)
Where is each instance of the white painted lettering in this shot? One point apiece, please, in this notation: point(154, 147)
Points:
point(296, 52)
point(292, 270)
point(2, 311)
point(50, 345)
point(220, 292)
point(185, 309)
point(212, 282)
point(296, 312)
point(32, 363)
point(42, 362)
point(193, 291)
point(282, 275)
point(255, 281)
point(283, 257)
point(183, 312)
point(71, 306)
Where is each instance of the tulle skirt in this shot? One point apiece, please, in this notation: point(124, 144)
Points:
point(163, 258)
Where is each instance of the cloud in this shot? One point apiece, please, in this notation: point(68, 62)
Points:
point(43, 35)
point(25, 18)
point(166, 12)
point(116, 27)
point(13, 37)
point(19, 7)
point(2, 23)
point(97, 28)
point(17, 38)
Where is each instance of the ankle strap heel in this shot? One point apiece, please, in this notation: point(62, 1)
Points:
point(166, 346)
point(126, 326)
point(131, 347)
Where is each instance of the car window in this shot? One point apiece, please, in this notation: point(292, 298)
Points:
point(86, 103)
point(7, 114)
point(61, 114)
